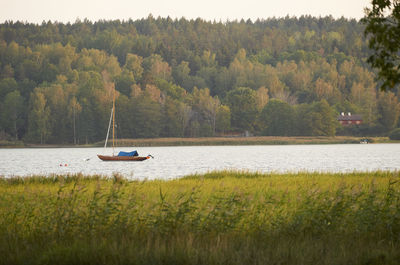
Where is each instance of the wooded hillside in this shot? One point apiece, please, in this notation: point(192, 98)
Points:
point(188, 78)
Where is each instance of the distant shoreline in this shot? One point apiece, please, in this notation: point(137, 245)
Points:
point(208, 141)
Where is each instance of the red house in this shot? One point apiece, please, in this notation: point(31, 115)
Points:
point(350, 119)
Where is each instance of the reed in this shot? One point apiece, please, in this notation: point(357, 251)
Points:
point(225, 217)
point(255, 140)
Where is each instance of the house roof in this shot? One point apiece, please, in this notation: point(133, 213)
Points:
point(353, 117)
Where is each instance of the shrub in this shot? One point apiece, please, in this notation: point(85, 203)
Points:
point(395, 134)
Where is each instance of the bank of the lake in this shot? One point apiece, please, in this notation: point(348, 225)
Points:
point(207, 141)
point(254, 140)
point(216, 218)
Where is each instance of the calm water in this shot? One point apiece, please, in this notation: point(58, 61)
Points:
point(172, 162)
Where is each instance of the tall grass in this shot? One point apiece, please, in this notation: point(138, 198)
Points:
point(254, 140)
point(216, 218)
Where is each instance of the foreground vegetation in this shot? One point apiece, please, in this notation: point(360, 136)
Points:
point(216, 218)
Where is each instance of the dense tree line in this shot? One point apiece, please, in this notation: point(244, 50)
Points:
point(188, 78)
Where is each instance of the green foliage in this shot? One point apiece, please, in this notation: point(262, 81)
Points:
point(395, 134)
point(146, 117)
point(389, 110)
point(322, 119)
point(243, 105)
point(277, 118)
point(219, 217)
point(173, 120)
point(134, 64)
point(170, 89)
point(382, 21)
point(223, 119)
point(123, 82)
point(7, 85)
point(39, 124)
point(241, 65)
point(12, 113)
point(317, 119)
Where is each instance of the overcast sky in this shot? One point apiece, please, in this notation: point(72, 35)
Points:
point(63, 11)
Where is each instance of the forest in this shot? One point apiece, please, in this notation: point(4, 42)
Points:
point(188, 78)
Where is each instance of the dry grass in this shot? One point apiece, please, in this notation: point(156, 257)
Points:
point(256, 140)
point(216, 218)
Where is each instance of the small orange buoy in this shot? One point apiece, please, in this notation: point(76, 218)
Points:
point(65, 165)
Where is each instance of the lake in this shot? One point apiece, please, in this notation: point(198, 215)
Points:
point(174, 162)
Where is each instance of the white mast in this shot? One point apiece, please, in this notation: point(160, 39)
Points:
point(108, 131)
point(113, 113)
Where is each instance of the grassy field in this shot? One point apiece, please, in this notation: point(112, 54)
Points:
point(215, 218)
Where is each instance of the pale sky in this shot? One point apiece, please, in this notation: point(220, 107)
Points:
point(36, 11)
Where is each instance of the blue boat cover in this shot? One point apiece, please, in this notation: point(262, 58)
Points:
point(133, 153)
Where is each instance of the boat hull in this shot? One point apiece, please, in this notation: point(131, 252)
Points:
point(123, 158)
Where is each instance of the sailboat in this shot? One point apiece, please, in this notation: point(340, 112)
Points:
point(122, 156)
